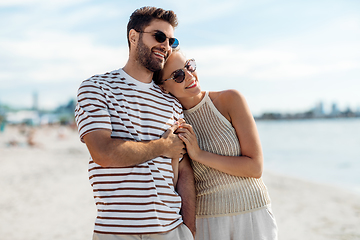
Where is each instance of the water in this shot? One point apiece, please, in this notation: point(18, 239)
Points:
point(324, 151)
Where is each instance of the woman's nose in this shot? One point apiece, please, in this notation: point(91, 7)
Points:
point(188, 74)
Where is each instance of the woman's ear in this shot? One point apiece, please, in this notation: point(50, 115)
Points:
point(163, 89)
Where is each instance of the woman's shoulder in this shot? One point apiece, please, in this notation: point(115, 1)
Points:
point(228, 101)
point(227, 96)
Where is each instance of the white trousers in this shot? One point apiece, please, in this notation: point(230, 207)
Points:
point(256, 225)
point(180, 233)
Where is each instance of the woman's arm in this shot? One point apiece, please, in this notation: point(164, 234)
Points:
point(186, 189)
point(250, 163)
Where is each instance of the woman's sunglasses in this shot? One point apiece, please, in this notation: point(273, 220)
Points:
point(179, 75)
point(161, 37)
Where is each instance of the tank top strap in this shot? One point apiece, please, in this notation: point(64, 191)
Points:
point(208, 100)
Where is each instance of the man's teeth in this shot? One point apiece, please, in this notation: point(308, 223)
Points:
point(159, 54)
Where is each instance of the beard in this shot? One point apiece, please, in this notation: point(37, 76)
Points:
point(143, 55)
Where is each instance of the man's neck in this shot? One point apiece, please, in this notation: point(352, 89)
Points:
point(138, 72)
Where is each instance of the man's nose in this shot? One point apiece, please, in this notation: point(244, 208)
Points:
point(166, 46)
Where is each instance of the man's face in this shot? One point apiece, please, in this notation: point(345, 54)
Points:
point(150, 53)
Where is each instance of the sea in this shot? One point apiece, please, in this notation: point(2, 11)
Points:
point(325, 151)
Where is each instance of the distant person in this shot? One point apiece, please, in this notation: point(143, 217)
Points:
point(30, 138)
point(222, 141)
point(2, 123)
point(128, 126)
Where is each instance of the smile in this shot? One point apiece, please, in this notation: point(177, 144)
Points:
point(193, 84)
point(159, 54)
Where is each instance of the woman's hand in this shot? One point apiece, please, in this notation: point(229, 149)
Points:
point(232, 105)
point(188, 136)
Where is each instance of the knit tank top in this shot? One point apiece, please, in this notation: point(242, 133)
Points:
point(219, 193)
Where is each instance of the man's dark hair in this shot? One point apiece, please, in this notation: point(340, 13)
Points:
point(142, 17)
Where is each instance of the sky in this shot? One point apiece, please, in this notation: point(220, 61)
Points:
point(283, 56)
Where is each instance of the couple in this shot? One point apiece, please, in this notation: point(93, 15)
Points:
point(140, 171)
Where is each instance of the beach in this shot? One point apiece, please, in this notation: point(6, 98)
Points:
point(46, 193)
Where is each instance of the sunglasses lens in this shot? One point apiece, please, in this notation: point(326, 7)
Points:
point(173, 42)
point(191, 65)
point(179, 76)
point(160, 37)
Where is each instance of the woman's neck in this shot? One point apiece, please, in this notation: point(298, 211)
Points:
point(190, 102)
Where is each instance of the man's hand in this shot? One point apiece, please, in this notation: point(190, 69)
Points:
point(174, 147)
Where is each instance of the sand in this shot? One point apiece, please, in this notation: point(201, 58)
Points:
point(46, 194)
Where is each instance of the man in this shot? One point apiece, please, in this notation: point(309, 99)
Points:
point(128, 126)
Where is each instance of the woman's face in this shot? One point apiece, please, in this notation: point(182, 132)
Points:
point(189, 87)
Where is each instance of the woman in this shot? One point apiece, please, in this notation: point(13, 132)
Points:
point(222, 140)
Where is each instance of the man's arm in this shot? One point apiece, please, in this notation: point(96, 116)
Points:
point(186, 189)
point(113, 152)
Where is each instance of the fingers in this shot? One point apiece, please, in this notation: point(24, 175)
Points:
point(188, 139)
point(184, 139)
point(181, 121)
point(179, 154)
point(177, 124)
point(186, 126)
point(185, 131)
point(174, 127)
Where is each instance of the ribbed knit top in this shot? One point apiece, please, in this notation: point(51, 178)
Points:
point(219, 193)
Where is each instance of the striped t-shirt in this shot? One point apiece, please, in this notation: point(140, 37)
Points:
point(139, 199)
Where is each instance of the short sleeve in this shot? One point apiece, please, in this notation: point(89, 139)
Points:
point(91, 112)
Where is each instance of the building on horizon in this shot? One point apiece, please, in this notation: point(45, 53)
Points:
point(318, 110)
point(335, 111)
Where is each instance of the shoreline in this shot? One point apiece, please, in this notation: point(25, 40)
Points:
point(47, 194)
point(354, 190)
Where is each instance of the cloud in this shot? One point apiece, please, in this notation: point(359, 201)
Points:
point(270, 64)
point(53, 3)
point(323, 50)
point(56, 56)
point(64, 42)
point(203, 11)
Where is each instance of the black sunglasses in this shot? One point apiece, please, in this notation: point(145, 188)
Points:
point(179, 75)
point(161, 37)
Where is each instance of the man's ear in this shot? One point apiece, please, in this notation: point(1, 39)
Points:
point(133, 36)
point(163, 88)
